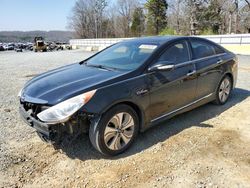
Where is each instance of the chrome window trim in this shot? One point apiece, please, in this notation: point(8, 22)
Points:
point(197, 60)
point(183, 64)
point(208, 57)
point(176, 66)
point(181, 108)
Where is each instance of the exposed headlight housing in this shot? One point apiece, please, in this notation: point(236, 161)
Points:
point(62, 111)
point(20, 93)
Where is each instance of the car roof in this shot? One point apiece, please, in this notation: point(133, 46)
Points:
point(154, 39)
point(162, 39)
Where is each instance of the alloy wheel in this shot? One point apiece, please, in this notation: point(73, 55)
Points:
point(119, 131)
point(224, 90)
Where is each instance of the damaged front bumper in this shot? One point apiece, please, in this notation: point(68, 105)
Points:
point(40, 127)
point(55, 133)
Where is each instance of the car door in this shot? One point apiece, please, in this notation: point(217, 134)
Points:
point(207, 58)
point(173, 89)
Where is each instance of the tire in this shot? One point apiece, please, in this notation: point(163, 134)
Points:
point(224, 90)
point(110, 136)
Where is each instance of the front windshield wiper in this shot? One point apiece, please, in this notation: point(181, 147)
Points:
point(101, 67)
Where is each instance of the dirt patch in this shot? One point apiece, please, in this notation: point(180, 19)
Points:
point(245, 69)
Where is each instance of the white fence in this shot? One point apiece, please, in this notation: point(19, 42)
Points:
point(239, 39)
point(97, 44)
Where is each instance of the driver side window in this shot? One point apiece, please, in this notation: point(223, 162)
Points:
point(175, 54)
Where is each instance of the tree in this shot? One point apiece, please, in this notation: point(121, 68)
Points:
point(125, 10)
point(99, 6)
point(211, 17)
point(194, 7)
point(156, 17)
point(138, 21)
point(86, 19)
point(245, 17)
point(177, 18)
point(82, 19)
point(125, 18)
point(248, 3)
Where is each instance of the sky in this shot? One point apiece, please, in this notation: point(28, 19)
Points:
point(29, 15)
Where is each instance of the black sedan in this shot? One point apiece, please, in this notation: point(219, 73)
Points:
point(127, 88)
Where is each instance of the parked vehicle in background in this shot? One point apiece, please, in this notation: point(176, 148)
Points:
point(39, 45)
point(1, 48)
point(9, 46)
point(29, 46)
point(18, 49)
point(51, 46)
point(127, 88)
point(68, 47)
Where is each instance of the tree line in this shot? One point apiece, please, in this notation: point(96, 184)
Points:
point(134, 18)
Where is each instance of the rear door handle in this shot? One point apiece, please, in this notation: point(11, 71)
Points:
point(191, 73)
point(219, 61)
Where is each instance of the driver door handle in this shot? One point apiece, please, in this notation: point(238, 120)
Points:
point(191, 73)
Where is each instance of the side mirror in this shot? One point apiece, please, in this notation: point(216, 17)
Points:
point(161, 67)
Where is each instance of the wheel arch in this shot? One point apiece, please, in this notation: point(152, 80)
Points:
point(230, 76)
point(217, 100)
point(223, 76)
point(135, 107)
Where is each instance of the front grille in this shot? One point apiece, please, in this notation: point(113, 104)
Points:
point(32, 109)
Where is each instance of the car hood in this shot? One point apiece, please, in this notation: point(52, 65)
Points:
point(63, 83)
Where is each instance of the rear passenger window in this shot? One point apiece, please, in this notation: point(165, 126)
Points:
point(202, 49)
point(218, 50)
point(177, 53)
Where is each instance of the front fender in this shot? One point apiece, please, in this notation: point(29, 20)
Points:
point(121, 92)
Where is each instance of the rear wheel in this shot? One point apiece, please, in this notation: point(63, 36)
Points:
point(224, 90)
point(115, 131)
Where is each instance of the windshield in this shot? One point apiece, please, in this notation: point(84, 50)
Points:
point(124, 56)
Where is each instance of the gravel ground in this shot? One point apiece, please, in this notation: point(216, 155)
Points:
point(206, 147)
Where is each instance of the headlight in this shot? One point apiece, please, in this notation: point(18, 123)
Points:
point(62, 111)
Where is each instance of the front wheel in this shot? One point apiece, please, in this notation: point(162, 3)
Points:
point(224, 90)
point(115, 131)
